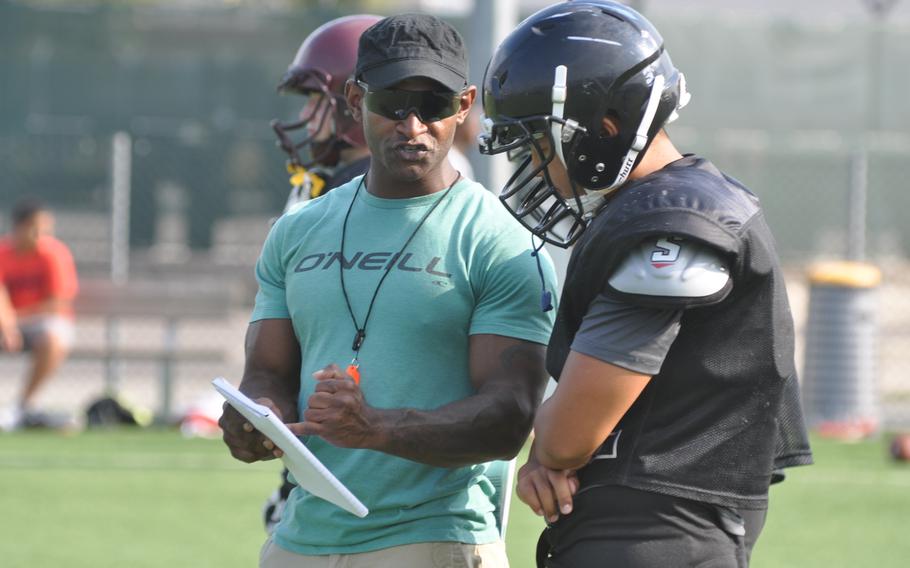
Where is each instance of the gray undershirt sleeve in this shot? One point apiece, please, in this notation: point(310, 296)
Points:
point(628, 336)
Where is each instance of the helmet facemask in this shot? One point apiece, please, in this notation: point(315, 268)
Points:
point(330, 109)
point(530, 193)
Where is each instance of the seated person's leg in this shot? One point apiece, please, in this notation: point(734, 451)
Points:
point(48, 339)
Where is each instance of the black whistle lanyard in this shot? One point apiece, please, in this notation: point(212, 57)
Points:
point(361, 330)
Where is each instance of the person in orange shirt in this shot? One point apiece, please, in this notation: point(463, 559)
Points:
point(37, 285)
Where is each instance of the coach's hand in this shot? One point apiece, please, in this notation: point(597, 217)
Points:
point(338, 412)
point(245, 442)
point(547, 491)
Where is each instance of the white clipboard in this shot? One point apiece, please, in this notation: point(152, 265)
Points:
point(308, 471)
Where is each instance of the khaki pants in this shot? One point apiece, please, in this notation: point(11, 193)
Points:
point(420, 555)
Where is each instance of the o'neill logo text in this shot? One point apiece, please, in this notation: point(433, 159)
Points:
point(371, 261)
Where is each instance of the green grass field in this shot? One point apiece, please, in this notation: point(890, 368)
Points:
point(153, 499)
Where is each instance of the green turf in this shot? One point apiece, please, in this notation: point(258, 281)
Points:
point(852, 508)
point(154, 499)
point(136, 499)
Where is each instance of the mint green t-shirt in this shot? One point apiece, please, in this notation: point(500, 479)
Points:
point(468, 270)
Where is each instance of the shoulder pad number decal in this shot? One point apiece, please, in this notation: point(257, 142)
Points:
point(665, 252)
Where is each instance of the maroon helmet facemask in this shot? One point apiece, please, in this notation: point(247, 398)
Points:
point(322, 66)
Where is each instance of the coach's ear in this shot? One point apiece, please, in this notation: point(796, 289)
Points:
point(353, 94)
point(466, 103)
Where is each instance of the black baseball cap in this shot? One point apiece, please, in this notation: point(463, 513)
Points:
point(412, 45)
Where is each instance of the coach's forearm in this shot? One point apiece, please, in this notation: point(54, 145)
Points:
point(476, 429)
point(263, 384)
point(272, 368)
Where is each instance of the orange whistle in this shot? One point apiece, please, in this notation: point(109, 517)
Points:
point(354, 372)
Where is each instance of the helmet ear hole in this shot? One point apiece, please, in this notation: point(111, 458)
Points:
point(611, 125)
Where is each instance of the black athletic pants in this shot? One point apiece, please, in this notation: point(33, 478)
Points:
point(619, 527)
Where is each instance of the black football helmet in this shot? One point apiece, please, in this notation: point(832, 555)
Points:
point(546, 92)
point(324, 62)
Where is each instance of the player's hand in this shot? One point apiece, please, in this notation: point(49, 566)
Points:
point(548, 492)
point(245, 442)
point(337, 411)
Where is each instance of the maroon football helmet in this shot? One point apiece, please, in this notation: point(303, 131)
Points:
point(324, 62)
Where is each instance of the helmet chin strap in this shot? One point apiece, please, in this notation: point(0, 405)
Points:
point(563, 132)
point(558, 97)
point(592, 197)
point(641, 137)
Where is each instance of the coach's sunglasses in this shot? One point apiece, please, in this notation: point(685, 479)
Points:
point(396, 104)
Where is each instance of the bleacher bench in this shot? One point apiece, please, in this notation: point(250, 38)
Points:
point(168, 302)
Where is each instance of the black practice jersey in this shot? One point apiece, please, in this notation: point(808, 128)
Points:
point(723, 412)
